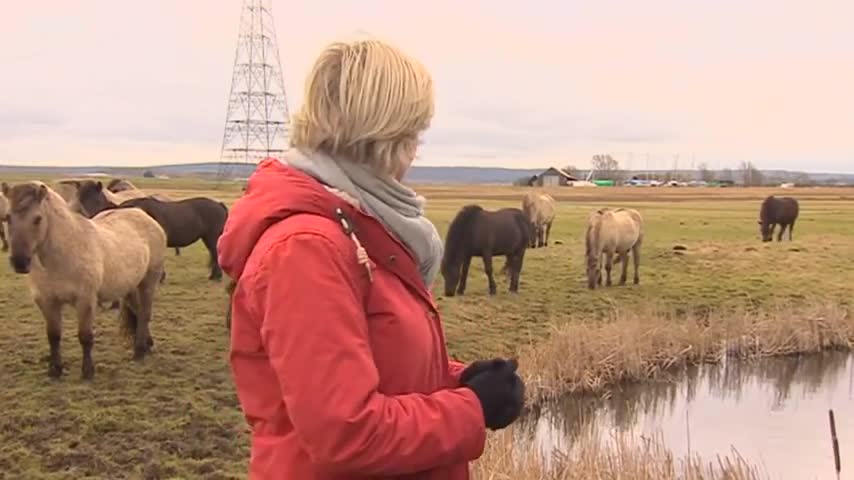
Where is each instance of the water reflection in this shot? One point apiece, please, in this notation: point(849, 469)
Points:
point(772, 411)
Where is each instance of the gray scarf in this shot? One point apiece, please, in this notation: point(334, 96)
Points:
point(397, 206)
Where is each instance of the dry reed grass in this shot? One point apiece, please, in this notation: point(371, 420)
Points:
point(618, 459)
point(586, 357)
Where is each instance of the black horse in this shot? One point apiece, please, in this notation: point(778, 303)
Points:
point(184, 221)
point(777, 211)
point(475, 232)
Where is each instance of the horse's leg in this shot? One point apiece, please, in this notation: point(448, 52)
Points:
point(548, 232)
point(210, 244)
point(464, 275)
point(3, 236)
point(487, 268)
point(636, 250)
point(52, 313)
point(85, 318)
point(143, 341)
point(624, 258)
point(177, 251)
point(542, 237)
point(609, 263)
point(780, 233)
point(791, 227)
point(516, 271)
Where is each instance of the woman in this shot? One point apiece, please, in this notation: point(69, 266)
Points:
point(337, 349)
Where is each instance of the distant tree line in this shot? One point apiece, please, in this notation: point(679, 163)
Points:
point(607, 167)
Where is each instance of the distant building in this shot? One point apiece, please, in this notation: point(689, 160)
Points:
point(553, 177)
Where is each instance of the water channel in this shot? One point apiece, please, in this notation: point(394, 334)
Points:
point(773, 412)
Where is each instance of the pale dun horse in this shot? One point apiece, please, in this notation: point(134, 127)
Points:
point(69, 259)
point(612, 234)
point(4, 210)
point(539, 209)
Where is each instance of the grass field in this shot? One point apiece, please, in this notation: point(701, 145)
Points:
point(176, 414)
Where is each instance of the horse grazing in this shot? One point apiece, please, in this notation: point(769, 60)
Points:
point(70, 259)
point(475, 232)
point(117, 185)
point(609, 233)
point(539, 208)
point(4, 210)
point(184, 221)
point(777, 211)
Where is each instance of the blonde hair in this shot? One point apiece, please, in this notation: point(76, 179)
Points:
point(365, 101)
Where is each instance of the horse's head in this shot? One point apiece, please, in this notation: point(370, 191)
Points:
point(117, 185)
point(91, 198)
point(594, 271)
point(765, 230)
point(27, 222)
point(451, 274)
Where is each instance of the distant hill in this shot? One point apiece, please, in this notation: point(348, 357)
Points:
point(418, 174)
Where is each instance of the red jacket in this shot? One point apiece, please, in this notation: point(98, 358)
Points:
point(339, 376)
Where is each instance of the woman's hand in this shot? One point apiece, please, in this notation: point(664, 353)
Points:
point(477, 367)
point(499, 388)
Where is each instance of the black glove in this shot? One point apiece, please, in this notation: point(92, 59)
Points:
point(477, 367)
point(500, 390)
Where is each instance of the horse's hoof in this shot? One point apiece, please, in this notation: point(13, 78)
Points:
point(636, 281)
point(150, 342)
point(88, 371)
point(54, 371)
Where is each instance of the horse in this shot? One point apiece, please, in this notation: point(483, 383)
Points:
point(777, 211)
point(539, 208)
point(475, 232)
point(70, 259)
point(117, 185)
point(609, 233)
point(4, 210)
point(184, 221)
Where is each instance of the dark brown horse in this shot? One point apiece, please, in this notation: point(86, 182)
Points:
point(475, 232)
point(185, 221)
point(775, 211)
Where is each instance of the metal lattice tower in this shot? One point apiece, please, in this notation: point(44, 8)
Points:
point(257, 119)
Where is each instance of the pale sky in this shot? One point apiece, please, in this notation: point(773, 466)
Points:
point(518, 84)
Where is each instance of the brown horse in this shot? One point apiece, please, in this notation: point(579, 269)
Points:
point(4, 211)
point(117, 185)
point(539, 208)
point(777, 211)
point(69, 259)
point(612, 234)
point(185, 221)
point(475, 232)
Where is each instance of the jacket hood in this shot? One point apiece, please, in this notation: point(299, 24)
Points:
point(274, 192)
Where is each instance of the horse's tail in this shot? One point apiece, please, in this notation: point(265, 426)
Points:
point(129, 319)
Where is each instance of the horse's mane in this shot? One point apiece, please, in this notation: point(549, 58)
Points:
point(591, 237)
point(458, 229)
